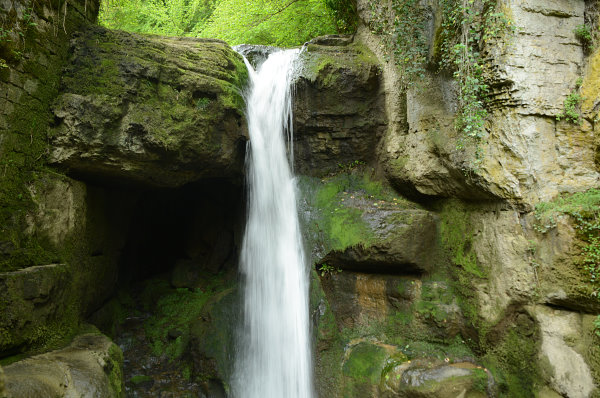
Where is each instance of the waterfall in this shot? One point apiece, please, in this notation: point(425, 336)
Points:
point(274, 354)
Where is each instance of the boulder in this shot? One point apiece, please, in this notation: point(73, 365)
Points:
point(90, 366)
point(150, 110)
point(380, 370)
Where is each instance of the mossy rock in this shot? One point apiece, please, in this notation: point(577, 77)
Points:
point(356, 222)
point(151, 110)
point(91, 365)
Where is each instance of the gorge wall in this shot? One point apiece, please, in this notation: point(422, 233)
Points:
point(441, 267)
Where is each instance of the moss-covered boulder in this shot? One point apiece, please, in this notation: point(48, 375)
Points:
point(148, 109)
point(90, 366)
point(375, 369)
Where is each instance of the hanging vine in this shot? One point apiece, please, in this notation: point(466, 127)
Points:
point(466, 26)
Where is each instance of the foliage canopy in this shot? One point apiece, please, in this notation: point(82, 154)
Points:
point(269, 22)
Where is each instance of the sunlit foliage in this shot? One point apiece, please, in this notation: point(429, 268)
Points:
point(271, 22)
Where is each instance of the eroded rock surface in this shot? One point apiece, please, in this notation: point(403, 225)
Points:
point(152, 110)
point(528, 154)
point(91, 366)
point(338, 105)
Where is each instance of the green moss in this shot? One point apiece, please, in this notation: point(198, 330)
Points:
point(174, 309)
point(343, 225)
point(364, 366)
point(325, 69)
point(457, 239)
point(140, 379)
point(114, 367)
point(583, 209)
point(513, 362)
point(435, 297)
point(480, 380)
point(456, 235)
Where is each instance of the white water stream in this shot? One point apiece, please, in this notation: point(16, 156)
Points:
point(274, 358)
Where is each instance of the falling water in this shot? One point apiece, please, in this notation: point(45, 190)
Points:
point(274, 359)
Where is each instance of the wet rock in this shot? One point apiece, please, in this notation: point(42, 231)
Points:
point(442, 381)
point(255, 53)
point(90, 366)
point(380, 370)
point(212, 341)
point(150, 110)
point(403, 241)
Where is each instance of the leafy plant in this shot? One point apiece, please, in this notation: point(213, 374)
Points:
point(344, 15)
point(326, 269)
point(465, 29)
point(404, 37)
point(583, 34)
point(270, 22)
point(462, 53)
point(203, 103)
point(572, 105)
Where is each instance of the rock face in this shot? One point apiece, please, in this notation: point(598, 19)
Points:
point(90, 366)
point(567, 371)
point(130, 104)
point(524, 138)
point(338, 106)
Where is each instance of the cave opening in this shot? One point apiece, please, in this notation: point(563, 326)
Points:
point(174, 303)
point(196, 227)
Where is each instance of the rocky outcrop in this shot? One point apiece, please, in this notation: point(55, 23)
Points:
point(420, 151)
point(150, 110)
point(356, 223)
point(90, 366)
point(338, 106)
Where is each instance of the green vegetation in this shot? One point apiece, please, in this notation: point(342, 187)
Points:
point(326, 269)
point(435, 296)
point(584, 210)
point(173, 310)
point(114, 368)
point(572, 105)
point(466, 27)
point(457, 239)
point(341, 226)
point(140, 379)
point(404, 37)
point(465, 31)
point(270, 22)
point(583, 34)
point(514, 363)
point(365, 363)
